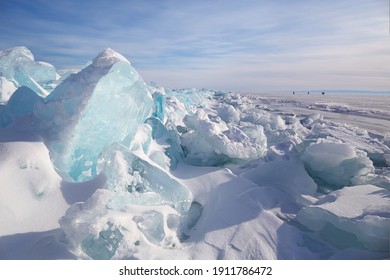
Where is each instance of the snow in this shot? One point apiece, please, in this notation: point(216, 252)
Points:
point(362, 211)
point(295, 180)
point(7, 88)
point(30, 183)
point(107, 167)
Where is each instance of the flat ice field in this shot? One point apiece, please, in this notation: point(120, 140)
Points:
point(99, 165)
point(370, 111)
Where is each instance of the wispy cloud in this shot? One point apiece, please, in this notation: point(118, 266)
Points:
point(247, 45)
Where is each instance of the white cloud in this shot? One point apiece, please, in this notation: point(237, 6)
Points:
point(232, 45)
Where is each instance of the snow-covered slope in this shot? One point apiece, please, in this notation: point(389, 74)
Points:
point(107, 167)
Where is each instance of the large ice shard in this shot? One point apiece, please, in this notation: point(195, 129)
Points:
point(23, 102)
point(18, 66)
point(191, 98)
point(105, 245)
point(6, 117)
point(167, 136)
point(335, 165)
point(102, 104)
point(136, 180)
point(151, 224)
point(159, 105)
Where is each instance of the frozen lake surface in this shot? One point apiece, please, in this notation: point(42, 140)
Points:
point(105, 166)
point(368, 111)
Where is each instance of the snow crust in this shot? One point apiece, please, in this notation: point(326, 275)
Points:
point(107, 167)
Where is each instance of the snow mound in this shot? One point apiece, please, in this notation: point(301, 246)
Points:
point(294, 181)
point(30, 183)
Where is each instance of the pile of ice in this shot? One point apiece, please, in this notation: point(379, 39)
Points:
point(19, 68)
point(149, 172)
point(211, 141)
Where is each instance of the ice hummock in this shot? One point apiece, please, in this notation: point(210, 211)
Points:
point(269, 195)
point(18, 66)
point(95, 230)
point(167, 136)
point(135, 179)
point(336, 164)
point(210, 141)
point(91, 110)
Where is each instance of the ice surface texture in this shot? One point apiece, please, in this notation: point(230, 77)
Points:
point(17, 65)
point(336, 164)
point(23, 102)
point(91, 110)
point(96, 230)
point(210, 141)
point(141, 181)
point(356, 216)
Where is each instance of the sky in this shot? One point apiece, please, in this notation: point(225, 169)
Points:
point(231, 45)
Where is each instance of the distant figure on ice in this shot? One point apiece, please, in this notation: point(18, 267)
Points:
point(308, 92)
point(293, 92)
point(323, 93)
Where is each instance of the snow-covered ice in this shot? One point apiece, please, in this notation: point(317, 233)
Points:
point(97, 164)
point(336, 164)
point(357, 216)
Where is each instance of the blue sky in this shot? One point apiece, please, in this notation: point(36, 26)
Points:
point(244, 46)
